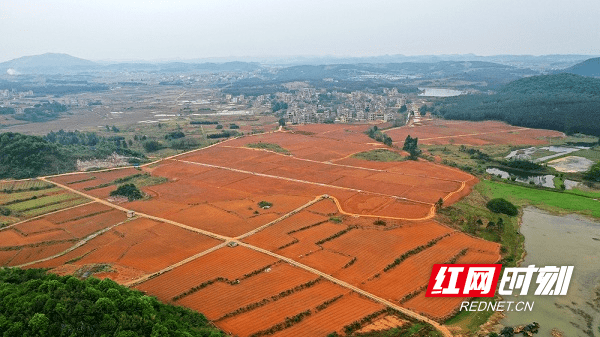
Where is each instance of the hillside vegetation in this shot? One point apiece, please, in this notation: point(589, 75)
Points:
point(33, 303)
point(24, 156)
point(563, 102)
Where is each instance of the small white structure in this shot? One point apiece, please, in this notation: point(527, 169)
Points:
point(130, 214)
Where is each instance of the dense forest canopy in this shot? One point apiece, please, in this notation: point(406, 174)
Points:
point(34, 303)
point(23, 156)
point(42, 112)
point(564, 102)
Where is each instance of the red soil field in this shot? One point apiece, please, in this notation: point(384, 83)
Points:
point(319, 129)
point(266, 316)
point(141, 244)
point(57, 227)
point(220, 298)
point(224, 201)
point(83, 227)
point(406, 175)
point(384, 206)
point(12, 238)
point(77, 212)
point(414, 272)
point(174, 171)
point(342, 312)
point(314, 147)
point(324, 207)
point(230, 214)
point(307, 239)
point(439, 132)
point(374, 249)
point(6, 256)
point(438, 308)
point(35, 226)
point(229, 263)
point(325, 260)
point(100, 177)
point(31, 254)
point(276, 236)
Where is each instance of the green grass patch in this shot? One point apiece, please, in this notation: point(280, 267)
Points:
point(55, 207)
point(41, 202)
point(12, 197)
point(471, 321)
point(335, 219)
point(379, 155)
point(268, 146)
point(452, 155)
point(24, 185)
point(589, 194)
point(554, 201)
point(139, 179)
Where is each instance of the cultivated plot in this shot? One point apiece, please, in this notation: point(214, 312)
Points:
point(440, 132)
point(131, 250)
point(247, 293)
point(391, 259)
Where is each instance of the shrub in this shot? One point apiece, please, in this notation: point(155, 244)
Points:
point(379, 222)
point(501, 205)
point(152, 145)
point(174, 135)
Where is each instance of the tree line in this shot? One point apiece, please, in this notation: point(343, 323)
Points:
point(563, 102)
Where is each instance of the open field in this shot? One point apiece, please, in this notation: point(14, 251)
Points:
point(368, 255)
point(43, 237)
point(218, 188)
point(439, 132)
point(554, 201)
point(258, 293)
point(318, 225)
point(140, 246)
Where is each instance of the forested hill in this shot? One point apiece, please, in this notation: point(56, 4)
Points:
point(563, 102)
point(36, 303)
point(560, 84)
point(589, 67)
point(24, 156)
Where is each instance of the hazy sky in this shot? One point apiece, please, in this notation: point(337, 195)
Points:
point(151, 30)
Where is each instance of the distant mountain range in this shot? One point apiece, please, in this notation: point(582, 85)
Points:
point(589, 67)
point(49, 62)
point(52, 63)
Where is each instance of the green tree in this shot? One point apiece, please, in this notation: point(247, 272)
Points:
point(411, 146)
point(282, 122)
point(501, 205)
point(593, 173)
point(152, 146)
point(39, 324)
point(403, 108)
point(130, 191)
